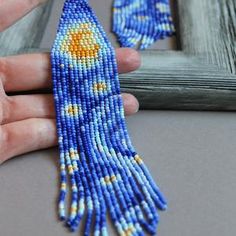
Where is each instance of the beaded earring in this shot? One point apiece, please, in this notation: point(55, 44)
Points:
point(141, 22)
point(98, 163)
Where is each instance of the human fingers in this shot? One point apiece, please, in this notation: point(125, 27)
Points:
point(33, 71)
point(34, 133)
point(13, 10)
point(23, 107)
point(25, 136)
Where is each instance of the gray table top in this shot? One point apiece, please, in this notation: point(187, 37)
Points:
point(190, 154)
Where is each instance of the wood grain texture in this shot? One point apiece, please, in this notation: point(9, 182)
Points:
point(26, 34)
point(203, 75)
point(208, 27)
point(175, 80)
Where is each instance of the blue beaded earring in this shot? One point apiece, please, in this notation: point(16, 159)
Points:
point(98, 163)
point(141, 22)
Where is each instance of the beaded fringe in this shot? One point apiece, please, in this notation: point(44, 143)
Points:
point(98, 163)
point(141, 22)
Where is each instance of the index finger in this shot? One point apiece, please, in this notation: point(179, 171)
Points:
point(13, 10)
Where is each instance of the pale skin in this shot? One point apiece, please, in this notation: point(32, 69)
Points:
point(27, 122)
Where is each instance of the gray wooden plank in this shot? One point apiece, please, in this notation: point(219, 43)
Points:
point(208, 27)
point(175, 80)
point(26, 34)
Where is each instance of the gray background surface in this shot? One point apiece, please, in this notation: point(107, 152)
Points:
point(191, 156)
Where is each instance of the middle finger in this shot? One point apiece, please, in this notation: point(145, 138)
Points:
point(33, 71)
point(21, 107)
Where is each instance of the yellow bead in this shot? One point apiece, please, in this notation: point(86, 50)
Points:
point(138, 159)
point(63, 186)
point(113, 178)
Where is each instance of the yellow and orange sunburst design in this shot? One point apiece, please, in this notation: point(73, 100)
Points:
point(80, 43)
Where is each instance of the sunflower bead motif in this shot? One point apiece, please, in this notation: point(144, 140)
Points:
point(98, 163)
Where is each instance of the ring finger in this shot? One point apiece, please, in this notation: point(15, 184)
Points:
point(23, 107)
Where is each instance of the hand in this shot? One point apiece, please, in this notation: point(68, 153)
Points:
point(27, 122)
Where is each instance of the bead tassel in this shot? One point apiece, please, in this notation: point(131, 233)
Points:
point(97, 158)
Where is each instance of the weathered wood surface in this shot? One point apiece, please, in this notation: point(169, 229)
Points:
point(26, 34)
point(208, 28)
point(201, 77)
point(174, 80)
